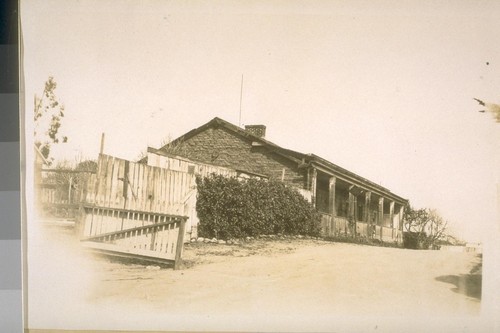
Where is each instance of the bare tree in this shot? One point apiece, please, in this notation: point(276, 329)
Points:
point(48, 112)
point(425, 225)
point(69, 179)
point(414, 224)
point(142, 157)
point(437, 227)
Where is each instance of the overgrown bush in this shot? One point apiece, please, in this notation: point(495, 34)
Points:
point(232, 208)
point(415, 240)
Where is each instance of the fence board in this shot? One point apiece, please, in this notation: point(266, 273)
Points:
point(114, 187)
point(126, 200)
point(169, 195)
point(165, 190)
point(149, 189)
point(141, 231)
point(140, 189)
point(120, 194)
point(135, 186)
point(145, 186)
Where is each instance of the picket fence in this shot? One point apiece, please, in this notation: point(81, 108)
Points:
point(135, 210)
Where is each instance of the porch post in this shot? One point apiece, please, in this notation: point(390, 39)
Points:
point(401, 219)
point(314, 180)
point(352, 214)
point(368, 196)
point(355, 208)
point(331, 196)
point(351, 206)
point(381, 215)
point(391, 217)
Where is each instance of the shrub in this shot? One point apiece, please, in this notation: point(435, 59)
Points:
point(415, 240)
point(232, 208)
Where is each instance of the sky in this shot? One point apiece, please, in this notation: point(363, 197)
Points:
point(382, 88)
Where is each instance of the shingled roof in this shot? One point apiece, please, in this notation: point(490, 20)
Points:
point(303, 160)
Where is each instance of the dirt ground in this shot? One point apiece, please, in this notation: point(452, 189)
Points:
point(270, 283)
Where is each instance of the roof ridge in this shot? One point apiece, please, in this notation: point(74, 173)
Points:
point(289, 153)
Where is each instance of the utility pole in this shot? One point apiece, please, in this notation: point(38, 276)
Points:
point(241, 98)
point(102, 144)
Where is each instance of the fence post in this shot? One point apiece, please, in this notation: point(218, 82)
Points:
point(80, 221)
point(180, 243)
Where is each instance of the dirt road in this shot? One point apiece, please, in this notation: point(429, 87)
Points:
point(262, 285)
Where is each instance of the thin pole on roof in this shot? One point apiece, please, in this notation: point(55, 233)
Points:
point(101, 151)
point(241, 98)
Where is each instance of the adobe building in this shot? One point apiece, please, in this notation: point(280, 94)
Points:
point(349, 204)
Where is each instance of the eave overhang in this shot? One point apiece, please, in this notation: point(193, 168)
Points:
point(361, 183)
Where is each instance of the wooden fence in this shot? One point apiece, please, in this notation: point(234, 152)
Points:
point(144, 235)
point(60, 192)
point(135, 210)
point(135, 186)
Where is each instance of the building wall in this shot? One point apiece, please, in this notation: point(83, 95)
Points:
point(222, 147)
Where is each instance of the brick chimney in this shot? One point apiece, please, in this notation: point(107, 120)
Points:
point(257, 130)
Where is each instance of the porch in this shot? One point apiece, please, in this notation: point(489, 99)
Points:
point(340, 226)
point(355, 209)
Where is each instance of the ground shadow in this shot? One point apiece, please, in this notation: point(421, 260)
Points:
point(466, 284)
point(128, 261)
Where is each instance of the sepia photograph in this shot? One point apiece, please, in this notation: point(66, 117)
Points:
point(260, 166)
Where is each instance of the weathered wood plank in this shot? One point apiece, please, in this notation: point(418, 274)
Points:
point(132, 204)
point(180, 244)
point(156, 190)
point(169, 192)
point(127, 251)
point(124, 205)
point(140, 184)
point(113, 188)
point(121, 184)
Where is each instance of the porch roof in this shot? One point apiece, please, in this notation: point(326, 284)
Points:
point(337, 171)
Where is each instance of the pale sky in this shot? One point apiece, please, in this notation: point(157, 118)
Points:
point(382, 88)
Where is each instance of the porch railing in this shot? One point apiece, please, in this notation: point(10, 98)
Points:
point(332, 226)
